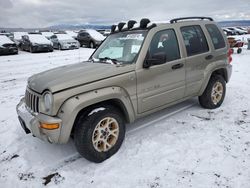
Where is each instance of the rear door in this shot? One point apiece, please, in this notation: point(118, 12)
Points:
point(198, 57)
point(165, 83)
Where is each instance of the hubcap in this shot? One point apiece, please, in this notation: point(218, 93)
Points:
point(217, 92)
point(105, 134)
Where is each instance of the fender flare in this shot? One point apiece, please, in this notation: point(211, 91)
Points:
point(72, 106)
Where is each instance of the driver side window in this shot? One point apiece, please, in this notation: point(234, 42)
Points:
point(165, 42)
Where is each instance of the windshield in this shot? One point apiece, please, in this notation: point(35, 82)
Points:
point(64, 37)
point(121, 47)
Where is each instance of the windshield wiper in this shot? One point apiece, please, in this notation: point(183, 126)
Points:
point(114, 61)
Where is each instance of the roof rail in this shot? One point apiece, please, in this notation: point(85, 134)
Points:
point(190, 18)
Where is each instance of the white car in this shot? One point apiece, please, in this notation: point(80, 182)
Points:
point(237, 31)
point(64, 42)
point(47, 34)
point(73, 34)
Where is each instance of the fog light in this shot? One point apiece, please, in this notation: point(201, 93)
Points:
point(49, 126)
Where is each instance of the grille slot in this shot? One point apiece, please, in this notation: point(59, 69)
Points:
point(32, 101)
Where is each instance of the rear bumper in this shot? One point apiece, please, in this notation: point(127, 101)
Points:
point(30, 122)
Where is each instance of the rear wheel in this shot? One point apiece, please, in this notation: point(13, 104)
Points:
point(214, 94)
point(239, 50)
point(99, 134)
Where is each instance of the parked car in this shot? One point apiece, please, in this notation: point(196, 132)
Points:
point(36, 43)
point(9, 35)
point(133, 73)
point(73, 34)
point(64, 42)
point(18, 37)
point(104, 32)
point(7, 46)
point(47, 34)
point(237, 31)
point(229, 32)
point(90, 38)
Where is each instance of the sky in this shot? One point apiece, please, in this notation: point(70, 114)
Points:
point(44, 13)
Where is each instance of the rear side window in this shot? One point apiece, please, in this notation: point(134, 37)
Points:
point(195, 40)
point(216, 36)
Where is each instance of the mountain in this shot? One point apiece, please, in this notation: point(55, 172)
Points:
point(234, 23)
point(78, 26)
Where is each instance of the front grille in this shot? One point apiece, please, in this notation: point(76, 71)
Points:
point(32, 101)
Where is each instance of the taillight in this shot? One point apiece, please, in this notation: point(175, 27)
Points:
point(229, 55)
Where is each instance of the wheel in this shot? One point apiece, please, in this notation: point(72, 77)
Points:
point(99, 135)
point(239, 50)
point(59, 47)
point(91, 44)
point(31, 49)
point(214, 94)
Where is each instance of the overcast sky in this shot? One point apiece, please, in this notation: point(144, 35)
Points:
point(43, 13)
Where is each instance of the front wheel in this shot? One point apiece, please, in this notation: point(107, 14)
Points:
point(99, 134)
point(214, 94)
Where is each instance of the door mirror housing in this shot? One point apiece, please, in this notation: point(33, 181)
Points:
point(156, 59)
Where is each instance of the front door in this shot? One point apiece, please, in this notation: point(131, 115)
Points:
point(161, 84)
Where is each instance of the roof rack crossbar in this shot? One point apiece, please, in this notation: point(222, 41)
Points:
point(190, 18)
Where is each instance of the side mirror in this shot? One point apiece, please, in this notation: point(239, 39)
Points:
point(156, 59)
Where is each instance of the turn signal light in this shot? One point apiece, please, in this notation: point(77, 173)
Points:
point(49, 126)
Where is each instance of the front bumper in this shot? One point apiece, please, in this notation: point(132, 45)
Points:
point(42, 48)
point(69, 46)
point(6, 51)
point(30, 122)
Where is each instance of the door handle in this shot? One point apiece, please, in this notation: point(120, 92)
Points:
point(177, 66)
point(209, 57)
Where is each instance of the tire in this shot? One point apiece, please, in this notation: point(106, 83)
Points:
point(87, 129)
point(214, 94)
point(31, 49)
point(239, 50)
point(91, 44)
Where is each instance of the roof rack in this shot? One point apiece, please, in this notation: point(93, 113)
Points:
point(190, 18)
point(130, 26)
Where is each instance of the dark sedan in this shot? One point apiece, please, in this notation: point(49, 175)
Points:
point(7, 46)
point(36, 43)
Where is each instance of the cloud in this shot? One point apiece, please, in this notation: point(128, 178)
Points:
point(6, 4)
point(42, 13)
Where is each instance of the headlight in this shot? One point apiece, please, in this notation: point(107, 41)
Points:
point(48, 100)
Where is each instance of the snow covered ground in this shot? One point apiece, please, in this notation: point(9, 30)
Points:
point(182, 146)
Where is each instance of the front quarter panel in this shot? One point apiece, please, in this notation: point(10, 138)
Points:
point(70, 109)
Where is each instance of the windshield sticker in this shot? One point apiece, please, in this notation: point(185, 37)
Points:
point(134, 36)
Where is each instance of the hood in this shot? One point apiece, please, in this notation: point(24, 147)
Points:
point(74, 75)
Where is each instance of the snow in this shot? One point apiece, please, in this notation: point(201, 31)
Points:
point(37, 38)
point(47, 34)
point(181, 146)
point(64, 37)
point(95, 34)
point(96, 110)
point(5, 40)
point(72, 33)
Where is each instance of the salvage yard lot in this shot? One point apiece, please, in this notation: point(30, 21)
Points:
point(183, 146)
